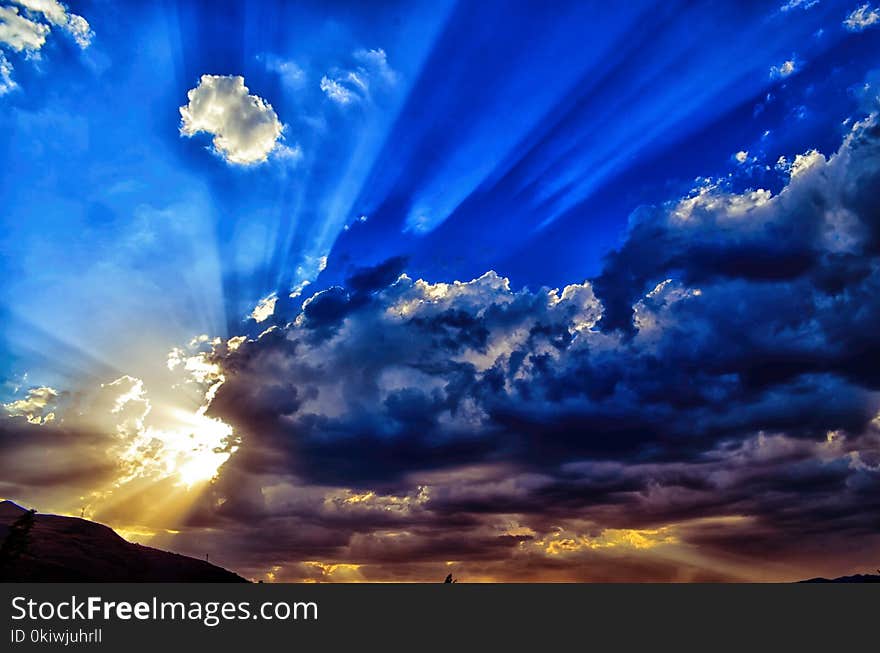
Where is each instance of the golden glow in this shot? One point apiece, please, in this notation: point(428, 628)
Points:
point(191, 449)
point(33, 408)
point(560, 542)
point(338, 572)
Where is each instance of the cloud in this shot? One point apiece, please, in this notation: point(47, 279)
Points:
point(57, 14)
point(6, 82)
point(785, 69)
point(371, 70)
point(375, 62)
point(741, 157)
point(36, 407)
point(264, 308)
point(20, 33)
point(292, 75)
point(245, 128)
point(862, 18)
point(25, 29)
point(336, 91)
point(711, 388)
point(705, 407)
point(799, 4)
point(69, 449)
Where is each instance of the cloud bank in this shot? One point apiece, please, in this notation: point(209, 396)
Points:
point(704, 409)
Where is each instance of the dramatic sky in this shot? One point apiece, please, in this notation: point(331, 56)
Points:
point(384, 290)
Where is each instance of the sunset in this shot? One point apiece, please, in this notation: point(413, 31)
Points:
point(410, 291)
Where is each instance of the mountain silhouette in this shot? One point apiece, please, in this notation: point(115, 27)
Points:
point(857, 578)
point(51, 548)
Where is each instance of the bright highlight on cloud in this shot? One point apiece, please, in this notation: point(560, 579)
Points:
point(57, 15)
point(862, 18)
point(25, 28)
point(20, 33)
point(36, 407)
point(245, 127)
point(264, 308)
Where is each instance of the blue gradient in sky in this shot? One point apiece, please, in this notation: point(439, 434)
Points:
point(512, 138)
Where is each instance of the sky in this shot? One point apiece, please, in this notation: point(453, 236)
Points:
point(344, 291)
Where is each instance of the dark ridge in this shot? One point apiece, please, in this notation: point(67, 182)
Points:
point(857, 578)
point(51, 548)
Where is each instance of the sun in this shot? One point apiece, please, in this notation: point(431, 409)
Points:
point(196, 452)
point(186, 446)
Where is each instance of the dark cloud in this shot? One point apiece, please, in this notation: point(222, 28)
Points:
point(711, 409)
point(723, 369)
point(369, 279)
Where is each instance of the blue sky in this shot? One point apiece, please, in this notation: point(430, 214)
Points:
point(518, 141)
point(168, 167)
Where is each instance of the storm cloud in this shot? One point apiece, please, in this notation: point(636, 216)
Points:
point(707, 403)
point(722, 367)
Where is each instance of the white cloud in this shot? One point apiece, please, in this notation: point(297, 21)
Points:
point(20, 33)
point(783, 70)
point(741, 157)
point(372, 69)
point(336, 91)
point(265, 308)
point(245, 127)
point(80, 30)
point(291, 74)
point(57, 14)
point(26, 27)
point(805, 161)
point(36, 407)
point(798, 4)
point(862, 18)
point(291, 155)
point(376, 61)
point(6, 81)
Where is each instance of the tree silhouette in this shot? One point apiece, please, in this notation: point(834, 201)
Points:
point(16, 540)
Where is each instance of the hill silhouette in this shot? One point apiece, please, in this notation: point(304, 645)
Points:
point(856, 578)
point(50, 548)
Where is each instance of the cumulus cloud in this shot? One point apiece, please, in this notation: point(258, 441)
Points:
point(58, 15)
point(36, 407)
point(20, 33)
point(862, 18)
point(25, 28)
point(713, 391)
point(73, 449)
point(245, 128)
